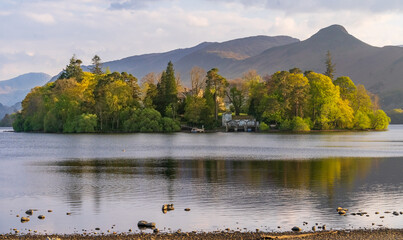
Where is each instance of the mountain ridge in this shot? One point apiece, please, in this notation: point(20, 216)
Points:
point(380, 69)
point(15, 89)
point(212, 53)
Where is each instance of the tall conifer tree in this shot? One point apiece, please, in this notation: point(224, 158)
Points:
point(330, 67)
point(167, 89)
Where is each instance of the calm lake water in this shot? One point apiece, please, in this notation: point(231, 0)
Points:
point(241, 181)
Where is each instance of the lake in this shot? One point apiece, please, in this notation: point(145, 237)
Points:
point(241, 181)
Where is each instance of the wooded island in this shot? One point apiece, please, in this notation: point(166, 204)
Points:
point(291, 100)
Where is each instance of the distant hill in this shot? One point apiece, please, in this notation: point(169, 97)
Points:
point(8, 110)
point(140, 65)
point(15, 89)
point(222, 55)
point(379, 69)
point(206, 55)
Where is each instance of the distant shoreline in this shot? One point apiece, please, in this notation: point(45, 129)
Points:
point(222, 130)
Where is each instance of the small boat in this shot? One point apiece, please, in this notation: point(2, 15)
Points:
point(197, 130)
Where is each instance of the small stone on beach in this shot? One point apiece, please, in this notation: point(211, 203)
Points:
point(296, 229)
point(145, 224)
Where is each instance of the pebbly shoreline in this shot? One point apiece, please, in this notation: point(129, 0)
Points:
point(384, 234)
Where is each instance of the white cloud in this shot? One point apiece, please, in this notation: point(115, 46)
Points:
point(5, 13)
point(311, 6)
point(59, 28)
point(42, 18)
point(198, 21)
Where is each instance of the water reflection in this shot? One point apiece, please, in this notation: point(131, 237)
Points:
point(224, 185)
point(322, 175)
point(220, 193)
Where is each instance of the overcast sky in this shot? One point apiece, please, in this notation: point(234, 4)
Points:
point(42, 35)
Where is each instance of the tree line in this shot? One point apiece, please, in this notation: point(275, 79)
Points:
point(102, 101)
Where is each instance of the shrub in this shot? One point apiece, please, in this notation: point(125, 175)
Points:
point(264, 126)
point(170, 125)
point(150, 120)
point(361, 121)
point(300, 125)
point(286, 125)
point(380, 120)
point(86, 123)
point(18, 124)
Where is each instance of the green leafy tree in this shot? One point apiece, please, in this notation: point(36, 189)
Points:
point(86, 123)
point(362, 101)
point(150, 120)
point(116, 96)
point(258, 101)
point(34, 110)
point(298, 89)
point(323, 100)
point(290, 93)
point(380, 121)
point(348, 90)
point(216, 85)
point(300, 125)
point(344, 116)
point(51, 123)
point(170, 125)
point(237, 94)
point(18, 124)
point(144, 120)
point(208, 112)
point(150, 96)
point(195, 109)
point(295, 70)
point(264, 127)
point(149, 90)
point(361, 121)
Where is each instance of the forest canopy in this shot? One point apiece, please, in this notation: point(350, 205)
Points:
point(100, 101)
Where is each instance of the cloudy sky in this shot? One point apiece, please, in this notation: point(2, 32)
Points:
point(42, 35)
